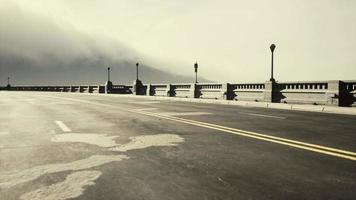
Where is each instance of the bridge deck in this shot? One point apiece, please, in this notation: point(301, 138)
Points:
point(65, 145)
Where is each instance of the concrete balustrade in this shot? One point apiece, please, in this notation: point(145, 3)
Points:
point(248, 92)
point(120, 89)
point(305, 92)
point(213, 91)
point(335, 93)
point(185, 90)
point(158, 90)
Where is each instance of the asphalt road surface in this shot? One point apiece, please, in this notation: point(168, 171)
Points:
point(86, 146)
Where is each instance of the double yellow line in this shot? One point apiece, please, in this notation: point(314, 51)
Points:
point(278, 140)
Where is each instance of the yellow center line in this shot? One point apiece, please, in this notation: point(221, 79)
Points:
point(267, 136)
point(278, 140)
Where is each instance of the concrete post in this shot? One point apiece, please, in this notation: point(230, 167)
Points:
point(149, 91)
point(270, 91)
point(169, 90)
point(227, 91)
point(335, 94)
point(194, 91)
point(138, 87)
point(108, 87)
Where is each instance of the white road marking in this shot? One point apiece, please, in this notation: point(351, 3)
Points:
point(63, 126)
point(183, 113)
point(145, 141)
point(94, 139)
point(260, 115)
point(73, 186)
point(145, 109)
point(13, 178)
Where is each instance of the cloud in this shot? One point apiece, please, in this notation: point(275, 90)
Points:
point(37, 49)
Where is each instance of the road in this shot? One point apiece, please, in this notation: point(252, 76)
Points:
point(86, 146)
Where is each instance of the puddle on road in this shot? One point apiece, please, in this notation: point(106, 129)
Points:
point(145, 141)
point(73, 186)
point(12, 178)
point(94, 139)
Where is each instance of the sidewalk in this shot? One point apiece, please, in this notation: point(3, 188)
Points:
point(297, 107)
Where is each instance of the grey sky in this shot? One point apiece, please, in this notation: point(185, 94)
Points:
point(316, 39)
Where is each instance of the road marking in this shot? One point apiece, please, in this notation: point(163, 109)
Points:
point(183, 113)
point(279, 140)
point(144, 109)
point(63, 126)
point(292, 143)
point(260, 115)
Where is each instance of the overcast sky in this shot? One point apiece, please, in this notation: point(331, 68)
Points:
point(316, 39)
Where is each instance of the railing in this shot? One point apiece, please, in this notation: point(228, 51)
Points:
point(211, 90)
point(338, 93)
point(158, 90)
point(72, 88)
point(120, 89)
point(302, 92)
point(185, 90)
point(248, 91)
point(302, 86)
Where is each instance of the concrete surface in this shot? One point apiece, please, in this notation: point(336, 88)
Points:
point(283, 106)
point(78, 146)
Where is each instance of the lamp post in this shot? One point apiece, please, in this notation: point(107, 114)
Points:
point(108, 74)
point(137, 64)
point(272, 47)
point(196, 71)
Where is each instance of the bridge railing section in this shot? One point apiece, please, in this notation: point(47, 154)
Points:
point(338, 93)
point(120, 89)
point(158, 90)
point(248, 91)
point(72, 88)
point(183, 90)
point(212, 90)
point(303, 92)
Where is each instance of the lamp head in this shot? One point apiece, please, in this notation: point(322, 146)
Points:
point(272, 47)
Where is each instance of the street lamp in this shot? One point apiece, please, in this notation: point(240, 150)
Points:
point(196, 71)
point(137, 64)
point(108, 74)
point(272, 47)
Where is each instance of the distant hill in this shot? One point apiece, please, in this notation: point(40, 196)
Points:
point(80, 71)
